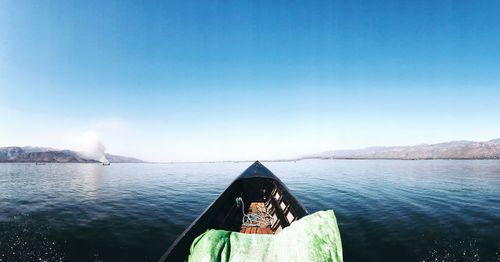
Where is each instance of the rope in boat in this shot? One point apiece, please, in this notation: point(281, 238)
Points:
point(261, 219)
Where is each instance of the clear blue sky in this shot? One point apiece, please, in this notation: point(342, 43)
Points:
point(213, 80)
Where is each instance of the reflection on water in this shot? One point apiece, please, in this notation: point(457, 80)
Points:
point(90, 179)
point(387, 210)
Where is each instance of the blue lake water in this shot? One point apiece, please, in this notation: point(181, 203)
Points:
point(436, 210)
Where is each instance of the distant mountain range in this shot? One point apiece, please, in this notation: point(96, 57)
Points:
point(450, 150)
point(45, 154)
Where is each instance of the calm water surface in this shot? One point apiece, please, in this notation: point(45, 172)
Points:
point(387, 210)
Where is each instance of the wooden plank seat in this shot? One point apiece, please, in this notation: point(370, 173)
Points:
point(254, 208)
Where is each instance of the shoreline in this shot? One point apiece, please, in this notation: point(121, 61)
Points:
point(246, 161)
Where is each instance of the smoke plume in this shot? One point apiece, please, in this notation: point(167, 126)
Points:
point(89, 145)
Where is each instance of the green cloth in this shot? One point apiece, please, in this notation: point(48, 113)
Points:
point(315, 237)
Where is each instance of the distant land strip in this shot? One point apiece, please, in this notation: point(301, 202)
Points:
point(15, 154)
point(460, 150)
point(455, 150)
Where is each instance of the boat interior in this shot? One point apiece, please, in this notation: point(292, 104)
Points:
point(271, 212)
point(259, 196)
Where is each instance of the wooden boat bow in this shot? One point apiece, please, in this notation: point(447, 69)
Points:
point(259, 189)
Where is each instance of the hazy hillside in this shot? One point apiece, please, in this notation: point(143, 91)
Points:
point(122, 159)
point(42, 154)
point(450, 150)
